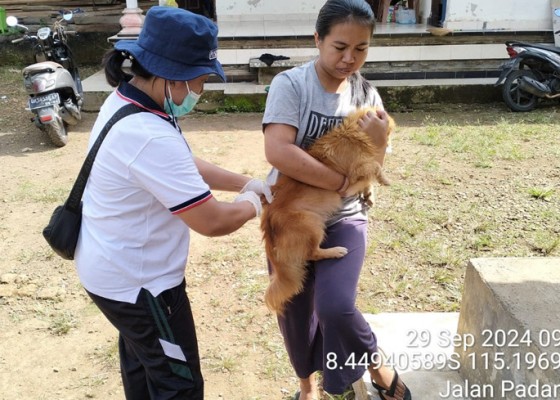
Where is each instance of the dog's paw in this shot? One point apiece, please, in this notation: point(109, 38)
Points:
point(331, 252)
point(339, 251)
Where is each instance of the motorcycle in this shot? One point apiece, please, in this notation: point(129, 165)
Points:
point(53, 82)
point(532, 73)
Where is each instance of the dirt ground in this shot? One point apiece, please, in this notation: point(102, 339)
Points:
point(56, 345)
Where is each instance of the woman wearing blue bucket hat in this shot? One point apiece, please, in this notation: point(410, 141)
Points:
point(145, 191)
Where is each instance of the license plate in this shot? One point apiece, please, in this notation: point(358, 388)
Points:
point(47, 100)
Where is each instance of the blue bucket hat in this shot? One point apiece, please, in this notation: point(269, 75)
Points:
point(176, 44)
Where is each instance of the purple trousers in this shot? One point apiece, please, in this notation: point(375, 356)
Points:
point(322, 328)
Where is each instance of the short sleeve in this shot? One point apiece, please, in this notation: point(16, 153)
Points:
point(283, 102)
point(165, 167)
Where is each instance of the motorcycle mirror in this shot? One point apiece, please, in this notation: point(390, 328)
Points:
point(11, 21)
point(557, 12)
point(67, 16)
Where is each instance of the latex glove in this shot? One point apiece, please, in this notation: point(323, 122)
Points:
point(252, 198)
point(259, 187)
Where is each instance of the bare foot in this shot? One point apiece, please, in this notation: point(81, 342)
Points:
point(308, 388)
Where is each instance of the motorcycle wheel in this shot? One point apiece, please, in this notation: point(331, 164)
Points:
point(516, 99)
point(57, 132)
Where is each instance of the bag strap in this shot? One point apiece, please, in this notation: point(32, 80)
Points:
point(75, 196)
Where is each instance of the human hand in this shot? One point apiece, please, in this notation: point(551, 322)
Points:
point(259, 187)
point(252, 198)
point(376, 125)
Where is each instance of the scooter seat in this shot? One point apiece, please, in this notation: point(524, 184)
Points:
point(40, 67)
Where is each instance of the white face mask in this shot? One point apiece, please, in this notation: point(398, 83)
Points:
point(184, 108)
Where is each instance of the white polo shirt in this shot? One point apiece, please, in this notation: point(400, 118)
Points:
point(144, 174)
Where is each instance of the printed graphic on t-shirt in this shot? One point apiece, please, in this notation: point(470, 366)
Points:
point(316, 126)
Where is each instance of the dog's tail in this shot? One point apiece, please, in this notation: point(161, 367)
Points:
point(285, 282)
point(286, 251)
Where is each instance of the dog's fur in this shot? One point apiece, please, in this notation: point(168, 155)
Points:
point(293, 224)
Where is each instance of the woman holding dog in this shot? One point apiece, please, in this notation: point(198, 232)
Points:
point(145, 192)
point(322, 329)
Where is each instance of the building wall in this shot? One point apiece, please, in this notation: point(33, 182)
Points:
point(515, 15)
point(256, 10)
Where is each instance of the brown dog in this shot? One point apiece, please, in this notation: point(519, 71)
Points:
point(293, 225)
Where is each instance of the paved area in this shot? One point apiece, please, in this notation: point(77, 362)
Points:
point(420, 345)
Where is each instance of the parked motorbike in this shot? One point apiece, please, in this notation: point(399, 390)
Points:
point(53, 82)
point(532, 73)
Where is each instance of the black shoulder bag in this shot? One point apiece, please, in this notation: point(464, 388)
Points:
point(64, 226)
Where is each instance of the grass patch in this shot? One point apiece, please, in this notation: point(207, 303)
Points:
point(481, 142)
point(541, 193)
point(482, 242)
point(108, 355)
point(63, 323)
point(240, 103)
point(544, 243)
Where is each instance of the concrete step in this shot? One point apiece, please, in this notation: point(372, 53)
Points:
point(413, 61)
point(405, 62)
point(419, 347)
point(404, 93)
point(508, 337)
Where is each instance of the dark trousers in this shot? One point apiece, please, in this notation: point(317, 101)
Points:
point(322, 328)
point(157, 345)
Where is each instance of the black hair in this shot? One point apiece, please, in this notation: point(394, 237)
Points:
point(113, 66)
point(335, 12)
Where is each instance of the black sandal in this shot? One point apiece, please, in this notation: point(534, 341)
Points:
point(296, 396)
point(397, 391)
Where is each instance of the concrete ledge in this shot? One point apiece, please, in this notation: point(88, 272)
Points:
point(411, 94)
point(398, 95)
point(508, 336)
point(96, 90)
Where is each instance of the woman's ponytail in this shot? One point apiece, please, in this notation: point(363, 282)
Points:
point(112, 64)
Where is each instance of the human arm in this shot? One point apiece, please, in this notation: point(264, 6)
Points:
point(281, 121)
point(179, 181)
point(291, 160)
point(218, 218)
point(220, 179)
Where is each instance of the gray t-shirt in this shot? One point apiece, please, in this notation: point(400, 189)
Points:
point(297, 98)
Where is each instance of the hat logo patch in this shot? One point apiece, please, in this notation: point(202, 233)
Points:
point(213, 54)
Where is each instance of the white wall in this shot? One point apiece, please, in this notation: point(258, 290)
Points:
point(255, 10)
point(518, 15)
point(460, 14)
